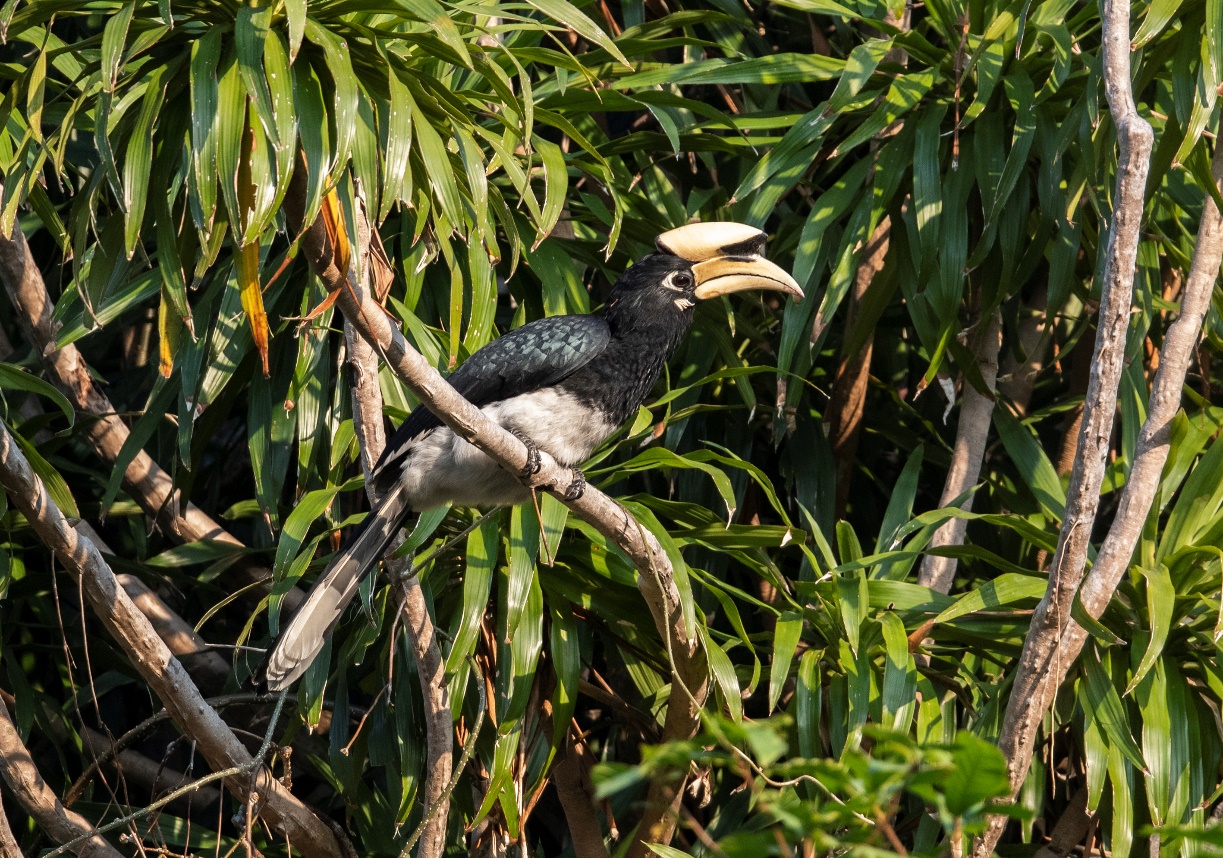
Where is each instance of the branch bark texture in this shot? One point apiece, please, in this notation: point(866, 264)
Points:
point(8, 843)
point(39, 800)
point(656, 576)
point(1046, 652)
point(204, 664)
point(149, 485)
point(430, 668)
point(976, 416)
point(153, 660)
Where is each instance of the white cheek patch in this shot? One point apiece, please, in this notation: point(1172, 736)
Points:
point(683, 303)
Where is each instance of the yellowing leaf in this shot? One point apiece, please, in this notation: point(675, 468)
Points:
point(333, 220)
point(252, 299)
point(247, 254)
point(169, 327)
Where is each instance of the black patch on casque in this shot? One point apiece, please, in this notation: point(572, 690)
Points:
point(753, 246)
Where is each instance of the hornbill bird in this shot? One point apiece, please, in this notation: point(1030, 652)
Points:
point(562, 384)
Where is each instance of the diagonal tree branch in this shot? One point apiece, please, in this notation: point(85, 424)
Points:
point(1045, 655)
point(153, 660)
point(149, 485)
point(27, 786)
point(972, 431)
point(656, 577)
point(206, 667)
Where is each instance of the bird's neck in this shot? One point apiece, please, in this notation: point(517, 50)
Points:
point(629, 368)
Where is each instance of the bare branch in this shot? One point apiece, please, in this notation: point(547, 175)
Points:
point(656, 577)
point(976, 415)
point(430, 668)
point(571, 775)
point(1142, 482)
point(179, 635)
point(148, 773)
point(149, 485)
point(8, 843)
point(1152, 450)
point(1046, 654)
point(152, 659)
point(39, 800)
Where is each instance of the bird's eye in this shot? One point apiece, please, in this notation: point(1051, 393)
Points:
point(682, 279)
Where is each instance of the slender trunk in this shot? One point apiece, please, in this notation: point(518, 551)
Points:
point(848, 398)
point(976, 416)
point(430, 668)
point(1047, 653)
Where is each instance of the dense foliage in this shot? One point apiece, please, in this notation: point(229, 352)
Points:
point(518, 156)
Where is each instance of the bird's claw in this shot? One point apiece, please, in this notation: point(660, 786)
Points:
point(531, 468)
point(577, 487)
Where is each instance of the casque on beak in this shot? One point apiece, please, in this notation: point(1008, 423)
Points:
point(727, 257)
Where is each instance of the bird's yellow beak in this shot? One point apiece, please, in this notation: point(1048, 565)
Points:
point(726, 257)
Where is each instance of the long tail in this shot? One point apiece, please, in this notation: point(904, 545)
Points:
point(302, 639)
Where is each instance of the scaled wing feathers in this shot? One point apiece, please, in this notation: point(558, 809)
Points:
point(536, 355)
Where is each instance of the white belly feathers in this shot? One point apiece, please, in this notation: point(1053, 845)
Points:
point(440, 467)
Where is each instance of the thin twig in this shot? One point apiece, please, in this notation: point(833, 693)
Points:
point(246, 768)
point(148, 654)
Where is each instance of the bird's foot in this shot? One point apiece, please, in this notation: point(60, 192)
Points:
point(533, 463)
point(577, 487)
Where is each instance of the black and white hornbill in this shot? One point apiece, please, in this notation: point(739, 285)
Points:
point(564, 384)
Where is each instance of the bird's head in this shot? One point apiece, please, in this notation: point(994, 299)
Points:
point(695, 262)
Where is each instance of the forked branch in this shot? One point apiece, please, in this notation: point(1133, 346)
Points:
point(1046, 655)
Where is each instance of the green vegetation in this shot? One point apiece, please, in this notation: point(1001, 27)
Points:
point(939, 180)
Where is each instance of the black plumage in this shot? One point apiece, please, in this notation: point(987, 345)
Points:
point(536, 355)
point(564, 384)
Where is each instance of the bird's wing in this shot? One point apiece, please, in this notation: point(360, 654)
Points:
point(527, 358)
point(534, 356)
